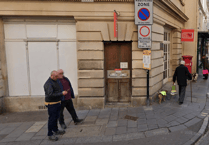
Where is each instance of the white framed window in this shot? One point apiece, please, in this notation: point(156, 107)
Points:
point(166, 54)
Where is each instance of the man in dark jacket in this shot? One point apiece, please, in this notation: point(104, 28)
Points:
point(182, 74)
point(67, 100)
point(53, 94)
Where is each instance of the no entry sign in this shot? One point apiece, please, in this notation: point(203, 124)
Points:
point(144, 36)
point(143, 12)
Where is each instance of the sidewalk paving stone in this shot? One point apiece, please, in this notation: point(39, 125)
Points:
point(25, 136)
point(132, 123)
point(121, 130)
point(132, 130)
point(176, 128)
point(112, 124)
point(110, 131)
point(192, 122)
point(122, 122)
point(156, 132)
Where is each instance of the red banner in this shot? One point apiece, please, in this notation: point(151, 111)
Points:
point(187, 35)
point(115, 25)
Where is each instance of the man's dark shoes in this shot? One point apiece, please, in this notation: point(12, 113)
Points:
point(63, 126)
point(78, 121)
point(53, 138)
point(60, 132)
point(180, 103)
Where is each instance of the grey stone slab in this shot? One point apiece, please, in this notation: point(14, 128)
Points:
point(42, 132)
point(61, 141)
point(14, 124)
point(174, 123)
point(25, 136)
point(151, 121)
point(7, 130)
point(94, 112)
point(101, 121)
point(112, 124)
point(110, 131)
point(142, 127)
point(176, 128)
point(192, 122)
point(121, 130)
point(90, 119)
point(153, 126)
point(196, 137)
point(20, 130)
point(132, 130)
point(1, 143)
point(178, 114)
point(189, 116)
point(170, 118)
point(129, 136)
point(132, 123)
point(8, 139)
point(189, 142)
point(161, 121)
point(31, 142)
point(160, 131)
point(150, 116)
point(142, 121)
point(97, 139)
point(83, 131)
point(113, 118)
point(181, 120)
point(122, 122)
point(39, 137)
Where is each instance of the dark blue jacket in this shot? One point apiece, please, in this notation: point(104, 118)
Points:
point(71, 88)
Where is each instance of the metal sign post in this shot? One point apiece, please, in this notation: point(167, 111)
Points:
point(144, 20)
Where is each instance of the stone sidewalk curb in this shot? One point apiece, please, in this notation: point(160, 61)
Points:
point(200, 133)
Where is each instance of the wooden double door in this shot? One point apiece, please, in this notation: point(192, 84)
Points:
point(118, 66)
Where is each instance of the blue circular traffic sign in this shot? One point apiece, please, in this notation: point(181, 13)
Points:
point(143, 14)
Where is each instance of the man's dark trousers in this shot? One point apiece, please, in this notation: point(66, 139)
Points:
point(53, 111)
point(69, 106)
point(182, 90)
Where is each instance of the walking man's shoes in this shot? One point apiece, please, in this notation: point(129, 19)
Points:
point(63, 126)
point(180, 103)
point(78, 121)
point(60, 132)
point(53, 138)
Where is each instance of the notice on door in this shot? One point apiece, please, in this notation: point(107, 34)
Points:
point(147, 59)
point(123, 64)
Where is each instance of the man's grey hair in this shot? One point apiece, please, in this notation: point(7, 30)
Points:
point(182, 62)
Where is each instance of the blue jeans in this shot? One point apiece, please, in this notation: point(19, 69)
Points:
point(53, 111)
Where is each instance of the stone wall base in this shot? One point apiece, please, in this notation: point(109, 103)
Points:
point(25, 103)
point(1, 105)
point(91, 103)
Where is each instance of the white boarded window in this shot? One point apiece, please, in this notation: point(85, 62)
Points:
point(14, 31)
point(42, 60)
point(68, 62)
point(32, 53)
point(17, 68)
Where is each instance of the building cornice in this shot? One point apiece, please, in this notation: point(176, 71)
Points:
point(182, 2)
point(129, 1)
point(175, 9)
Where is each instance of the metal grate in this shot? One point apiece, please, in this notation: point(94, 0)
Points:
point(42, 107)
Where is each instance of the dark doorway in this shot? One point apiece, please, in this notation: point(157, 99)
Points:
point(118, 66)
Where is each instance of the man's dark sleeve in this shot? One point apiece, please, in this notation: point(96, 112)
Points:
point(49, 91)
point(72, 92)
point(175, 75)
point(188, 74)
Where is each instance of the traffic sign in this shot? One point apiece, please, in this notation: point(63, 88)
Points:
point(144, 36)
point(143, 12)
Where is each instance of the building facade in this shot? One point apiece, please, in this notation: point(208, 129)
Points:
point(37, 37)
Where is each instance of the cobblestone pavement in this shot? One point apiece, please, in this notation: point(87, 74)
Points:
point(166, 123)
